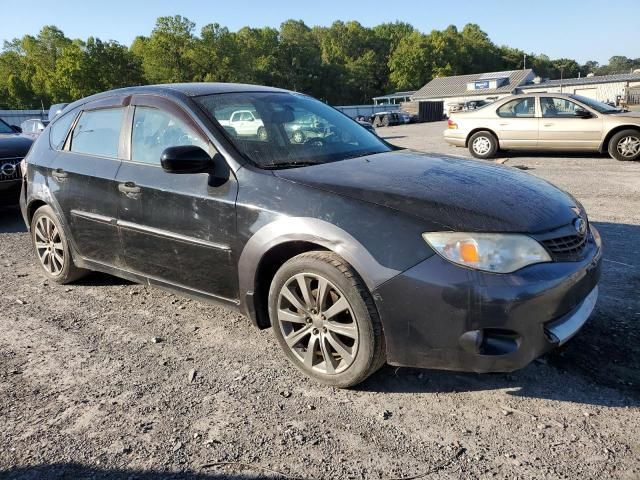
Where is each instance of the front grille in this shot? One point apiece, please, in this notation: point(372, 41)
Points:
point(9, 169)
point(566, 248)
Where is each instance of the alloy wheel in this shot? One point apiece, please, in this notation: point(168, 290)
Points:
point(318, 323)
point(481, 145)
point(629, 146)
point(49, 245)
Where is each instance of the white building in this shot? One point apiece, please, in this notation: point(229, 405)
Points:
point(605, 88)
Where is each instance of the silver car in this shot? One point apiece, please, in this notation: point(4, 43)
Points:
point(546, 121)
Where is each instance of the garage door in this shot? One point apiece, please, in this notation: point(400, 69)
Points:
point(587, 92)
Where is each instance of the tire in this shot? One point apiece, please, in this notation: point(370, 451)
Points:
point(376, 121)
point(262, 134)
point(385, 121)
point(341, 349)
point(298, 137)
point(625, 145)
point(483, 145)
point(52, 247)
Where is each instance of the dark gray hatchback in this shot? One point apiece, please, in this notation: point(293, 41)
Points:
point(354, 251)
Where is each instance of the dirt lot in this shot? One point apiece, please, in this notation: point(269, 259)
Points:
point(85, 392)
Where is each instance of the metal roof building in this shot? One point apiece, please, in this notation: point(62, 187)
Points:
point(468, 87)
point(393, 98)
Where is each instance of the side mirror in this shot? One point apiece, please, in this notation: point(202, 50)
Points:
point(16, 128)
point(185, 159)
point(582, 113)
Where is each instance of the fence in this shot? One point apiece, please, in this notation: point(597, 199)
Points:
point(16, 117)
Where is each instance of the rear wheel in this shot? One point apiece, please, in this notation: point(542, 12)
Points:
point(52, 248)
point(262, 134)
point(298, 137)
point(483, 145)
point(625, 145)
point(385, 121)
point(325, 320)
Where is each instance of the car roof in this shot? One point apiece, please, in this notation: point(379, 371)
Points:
point(178, 90)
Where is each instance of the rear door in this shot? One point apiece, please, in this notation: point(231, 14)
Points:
point(517, 124)
point(83, 180)
point(175, 228)
point(562, 129)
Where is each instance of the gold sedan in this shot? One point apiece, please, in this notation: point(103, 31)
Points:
point(546, 121)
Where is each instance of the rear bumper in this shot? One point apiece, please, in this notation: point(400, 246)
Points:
point(439, 315)
point(455, 137)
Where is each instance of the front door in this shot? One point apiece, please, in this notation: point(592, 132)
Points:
point(563, 126)
point(83, 181)
point(176, 228)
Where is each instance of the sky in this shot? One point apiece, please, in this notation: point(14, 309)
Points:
point(579, 29)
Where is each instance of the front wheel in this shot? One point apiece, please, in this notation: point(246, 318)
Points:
point(52, 248)
point(483, 145)
point(625, 145)
point(325, 320)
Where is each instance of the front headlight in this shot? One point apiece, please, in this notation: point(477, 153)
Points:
point(491, 252)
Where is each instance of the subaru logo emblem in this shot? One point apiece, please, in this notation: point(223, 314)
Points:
point(580, 225)
point(8, 169)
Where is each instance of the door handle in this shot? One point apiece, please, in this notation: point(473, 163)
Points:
point(548, 124)
point(59, 174)
point(504, 124)
point(128, 188)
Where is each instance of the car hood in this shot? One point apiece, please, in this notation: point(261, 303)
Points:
point(14, 145)
point(628, 114)
point(447, 193)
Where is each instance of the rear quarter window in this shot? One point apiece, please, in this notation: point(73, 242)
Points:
point(60, 128)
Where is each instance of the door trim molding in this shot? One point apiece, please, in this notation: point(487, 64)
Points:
point(149, 230)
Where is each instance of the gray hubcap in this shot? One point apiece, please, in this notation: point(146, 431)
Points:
point(481, 145)
point(49, 246)
point(317, 323)
point(629, 146)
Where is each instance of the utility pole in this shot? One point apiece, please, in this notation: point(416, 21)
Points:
point(525, 62)
point(561, 77)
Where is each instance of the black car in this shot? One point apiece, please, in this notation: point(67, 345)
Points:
point(354, 251)
point(13, 148)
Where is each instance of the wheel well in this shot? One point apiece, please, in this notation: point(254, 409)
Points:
point(269, 264)
point(473, 132)
point(607, 139)
point(33, 206)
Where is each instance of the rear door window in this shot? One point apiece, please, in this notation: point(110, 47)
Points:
point(519, 108)
point(98, 132)
point(60, 128)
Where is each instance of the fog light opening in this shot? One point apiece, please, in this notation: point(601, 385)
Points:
point(490, 341)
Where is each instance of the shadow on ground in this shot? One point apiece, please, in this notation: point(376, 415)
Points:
point(11, 220)
point(74, 471)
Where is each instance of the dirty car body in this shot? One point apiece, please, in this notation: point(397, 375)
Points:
point(222, 232)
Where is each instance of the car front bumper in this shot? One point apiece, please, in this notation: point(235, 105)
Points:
point(439, 315)
point(10, 191)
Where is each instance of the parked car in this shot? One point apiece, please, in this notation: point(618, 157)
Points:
point(547, 121)
point(33, 128)
point(386, 119)
point(355, 252)
point(55, 109)
point(13, 148)
point(244, 123)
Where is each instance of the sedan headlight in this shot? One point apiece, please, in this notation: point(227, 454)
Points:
point(491, 252)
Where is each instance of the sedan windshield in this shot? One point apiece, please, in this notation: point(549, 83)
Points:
point(284, 130)
point(5, 128)
point(600, 107)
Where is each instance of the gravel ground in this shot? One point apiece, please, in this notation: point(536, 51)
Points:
point(108, 379)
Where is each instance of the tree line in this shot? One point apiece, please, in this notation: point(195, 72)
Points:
point(345, 63)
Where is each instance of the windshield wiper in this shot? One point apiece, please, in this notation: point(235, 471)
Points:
point(291, 164)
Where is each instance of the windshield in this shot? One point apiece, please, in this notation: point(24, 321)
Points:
point(596, 105)
point(5, 128)
point(281, 130)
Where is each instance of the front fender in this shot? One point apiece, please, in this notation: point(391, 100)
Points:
point(310, 230)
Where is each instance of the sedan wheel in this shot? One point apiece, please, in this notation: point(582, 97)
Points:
point(52, 248)
point(298, 137)
point(483, 145)
point(629, 147)
point(325, 320)
point(317, 323)
point(625, 145)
